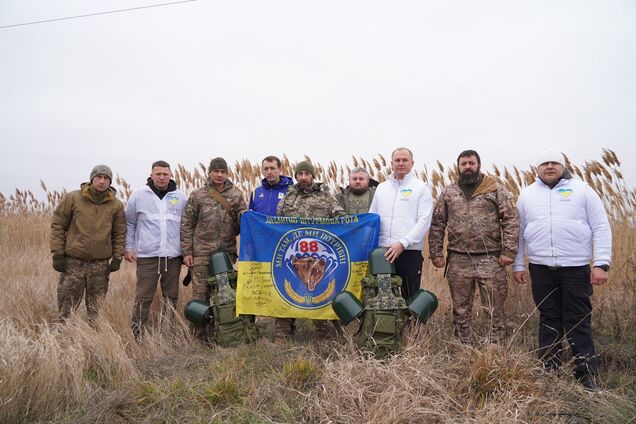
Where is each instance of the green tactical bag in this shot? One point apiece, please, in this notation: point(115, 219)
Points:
point(384, 317)
point(229, 330)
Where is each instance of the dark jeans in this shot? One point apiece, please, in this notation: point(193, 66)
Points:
point(409, 267)
point(563, 297)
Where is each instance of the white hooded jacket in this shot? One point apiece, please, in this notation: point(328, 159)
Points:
point(153, 224)
point(558, 226)
point(405, 208)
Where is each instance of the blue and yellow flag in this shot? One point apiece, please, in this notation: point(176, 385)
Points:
point(293, 267)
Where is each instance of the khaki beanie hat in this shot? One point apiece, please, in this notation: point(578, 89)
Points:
point(217, 163)
point(305, 166)
point(101, 170)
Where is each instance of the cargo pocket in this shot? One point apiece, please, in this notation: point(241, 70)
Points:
point(385, 322)
point(232, 330)
point(225, 313)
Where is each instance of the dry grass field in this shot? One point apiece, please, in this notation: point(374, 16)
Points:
point(74, 373)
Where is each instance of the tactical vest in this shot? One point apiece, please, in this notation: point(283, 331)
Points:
point(347, 197)
point(384, 316)
point(228, 328)
point(383, 312)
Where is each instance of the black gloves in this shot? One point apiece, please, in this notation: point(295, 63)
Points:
point(188, 278)
point(115, 264)
point(59, 263)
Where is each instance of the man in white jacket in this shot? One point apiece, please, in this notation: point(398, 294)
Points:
point(560, 219)
point(153, 216)
point(405, 206)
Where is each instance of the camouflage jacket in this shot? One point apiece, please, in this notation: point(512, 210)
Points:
point(206, 226)
point(313, 202)
point(355, 203)
point(487, 222)
point(88, 226)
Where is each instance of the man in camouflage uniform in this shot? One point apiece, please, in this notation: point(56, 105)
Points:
point(307, 199)
point(483, 237)
point(357, 196)
point(210, 223)
point(88, 228)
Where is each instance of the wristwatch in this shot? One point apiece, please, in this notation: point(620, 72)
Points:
point(603, 267)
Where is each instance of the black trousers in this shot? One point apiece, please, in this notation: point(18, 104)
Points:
point(409, 267)
point(563, 297)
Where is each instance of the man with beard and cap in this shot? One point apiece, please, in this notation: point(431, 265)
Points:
point(356, 198)
point(210, 223)
point(404, 204)
point(153, 216)
point(564, 226)
point(482, 224)
point(308, 199)
point(264, 199)
point(88, 230)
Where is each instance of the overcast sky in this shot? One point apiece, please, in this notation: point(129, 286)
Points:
point(329, 79)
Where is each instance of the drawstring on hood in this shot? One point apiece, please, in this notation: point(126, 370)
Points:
point(172, 186)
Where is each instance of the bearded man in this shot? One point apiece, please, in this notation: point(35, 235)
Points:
point(483, 238)
point(356, 198)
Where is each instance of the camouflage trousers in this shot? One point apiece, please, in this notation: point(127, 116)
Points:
point(149, 272)
point(200, 274)
point(463, 274)
point(82, 277)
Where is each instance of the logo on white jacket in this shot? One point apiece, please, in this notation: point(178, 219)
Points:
point(565, 193)
point(172, 199)
point(406, 193)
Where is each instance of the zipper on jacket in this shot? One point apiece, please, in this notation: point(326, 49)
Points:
point(163, 228)
point(95, 205)
point(551, 231)
point(397, 192)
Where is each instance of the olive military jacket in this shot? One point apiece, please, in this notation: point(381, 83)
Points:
point(89, 226)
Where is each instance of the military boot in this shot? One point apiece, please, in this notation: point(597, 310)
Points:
point(284, 329)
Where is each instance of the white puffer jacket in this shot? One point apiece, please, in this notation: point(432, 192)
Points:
point(560, 225)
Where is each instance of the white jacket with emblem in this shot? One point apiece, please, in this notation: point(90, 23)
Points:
point(153, 224)
point(558, 226)
point(405, 208)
